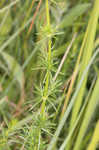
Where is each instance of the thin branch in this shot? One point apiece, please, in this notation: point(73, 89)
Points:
point(34, 16)
point(65, 56)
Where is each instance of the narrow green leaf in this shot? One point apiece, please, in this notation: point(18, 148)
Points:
point(94, 100)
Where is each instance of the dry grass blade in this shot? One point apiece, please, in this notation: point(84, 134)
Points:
point(64, 57)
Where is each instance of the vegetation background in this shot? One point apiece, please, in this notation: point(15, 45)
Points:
point(49, 74)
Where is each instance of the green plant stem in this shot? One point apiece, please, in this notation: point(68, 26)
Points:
point(49, 62)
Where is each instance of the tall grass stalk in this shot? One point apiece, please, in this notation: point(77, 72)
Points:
point(94, 100)
point(67, 140)
point(87, 52)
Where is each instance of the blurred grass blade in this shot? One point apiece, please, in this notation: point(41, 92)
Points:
point(15, 68)
point(94, 100)
point(23, 67)
point(95, 138)
point(67, 139)
point(9, 6)
point(87, 53)
point(15, 35)
point(73, 14)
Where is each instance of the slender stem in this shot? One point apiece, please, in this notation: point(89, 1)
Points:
point(64, 57)
point(49, 62)
point(47, 13)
